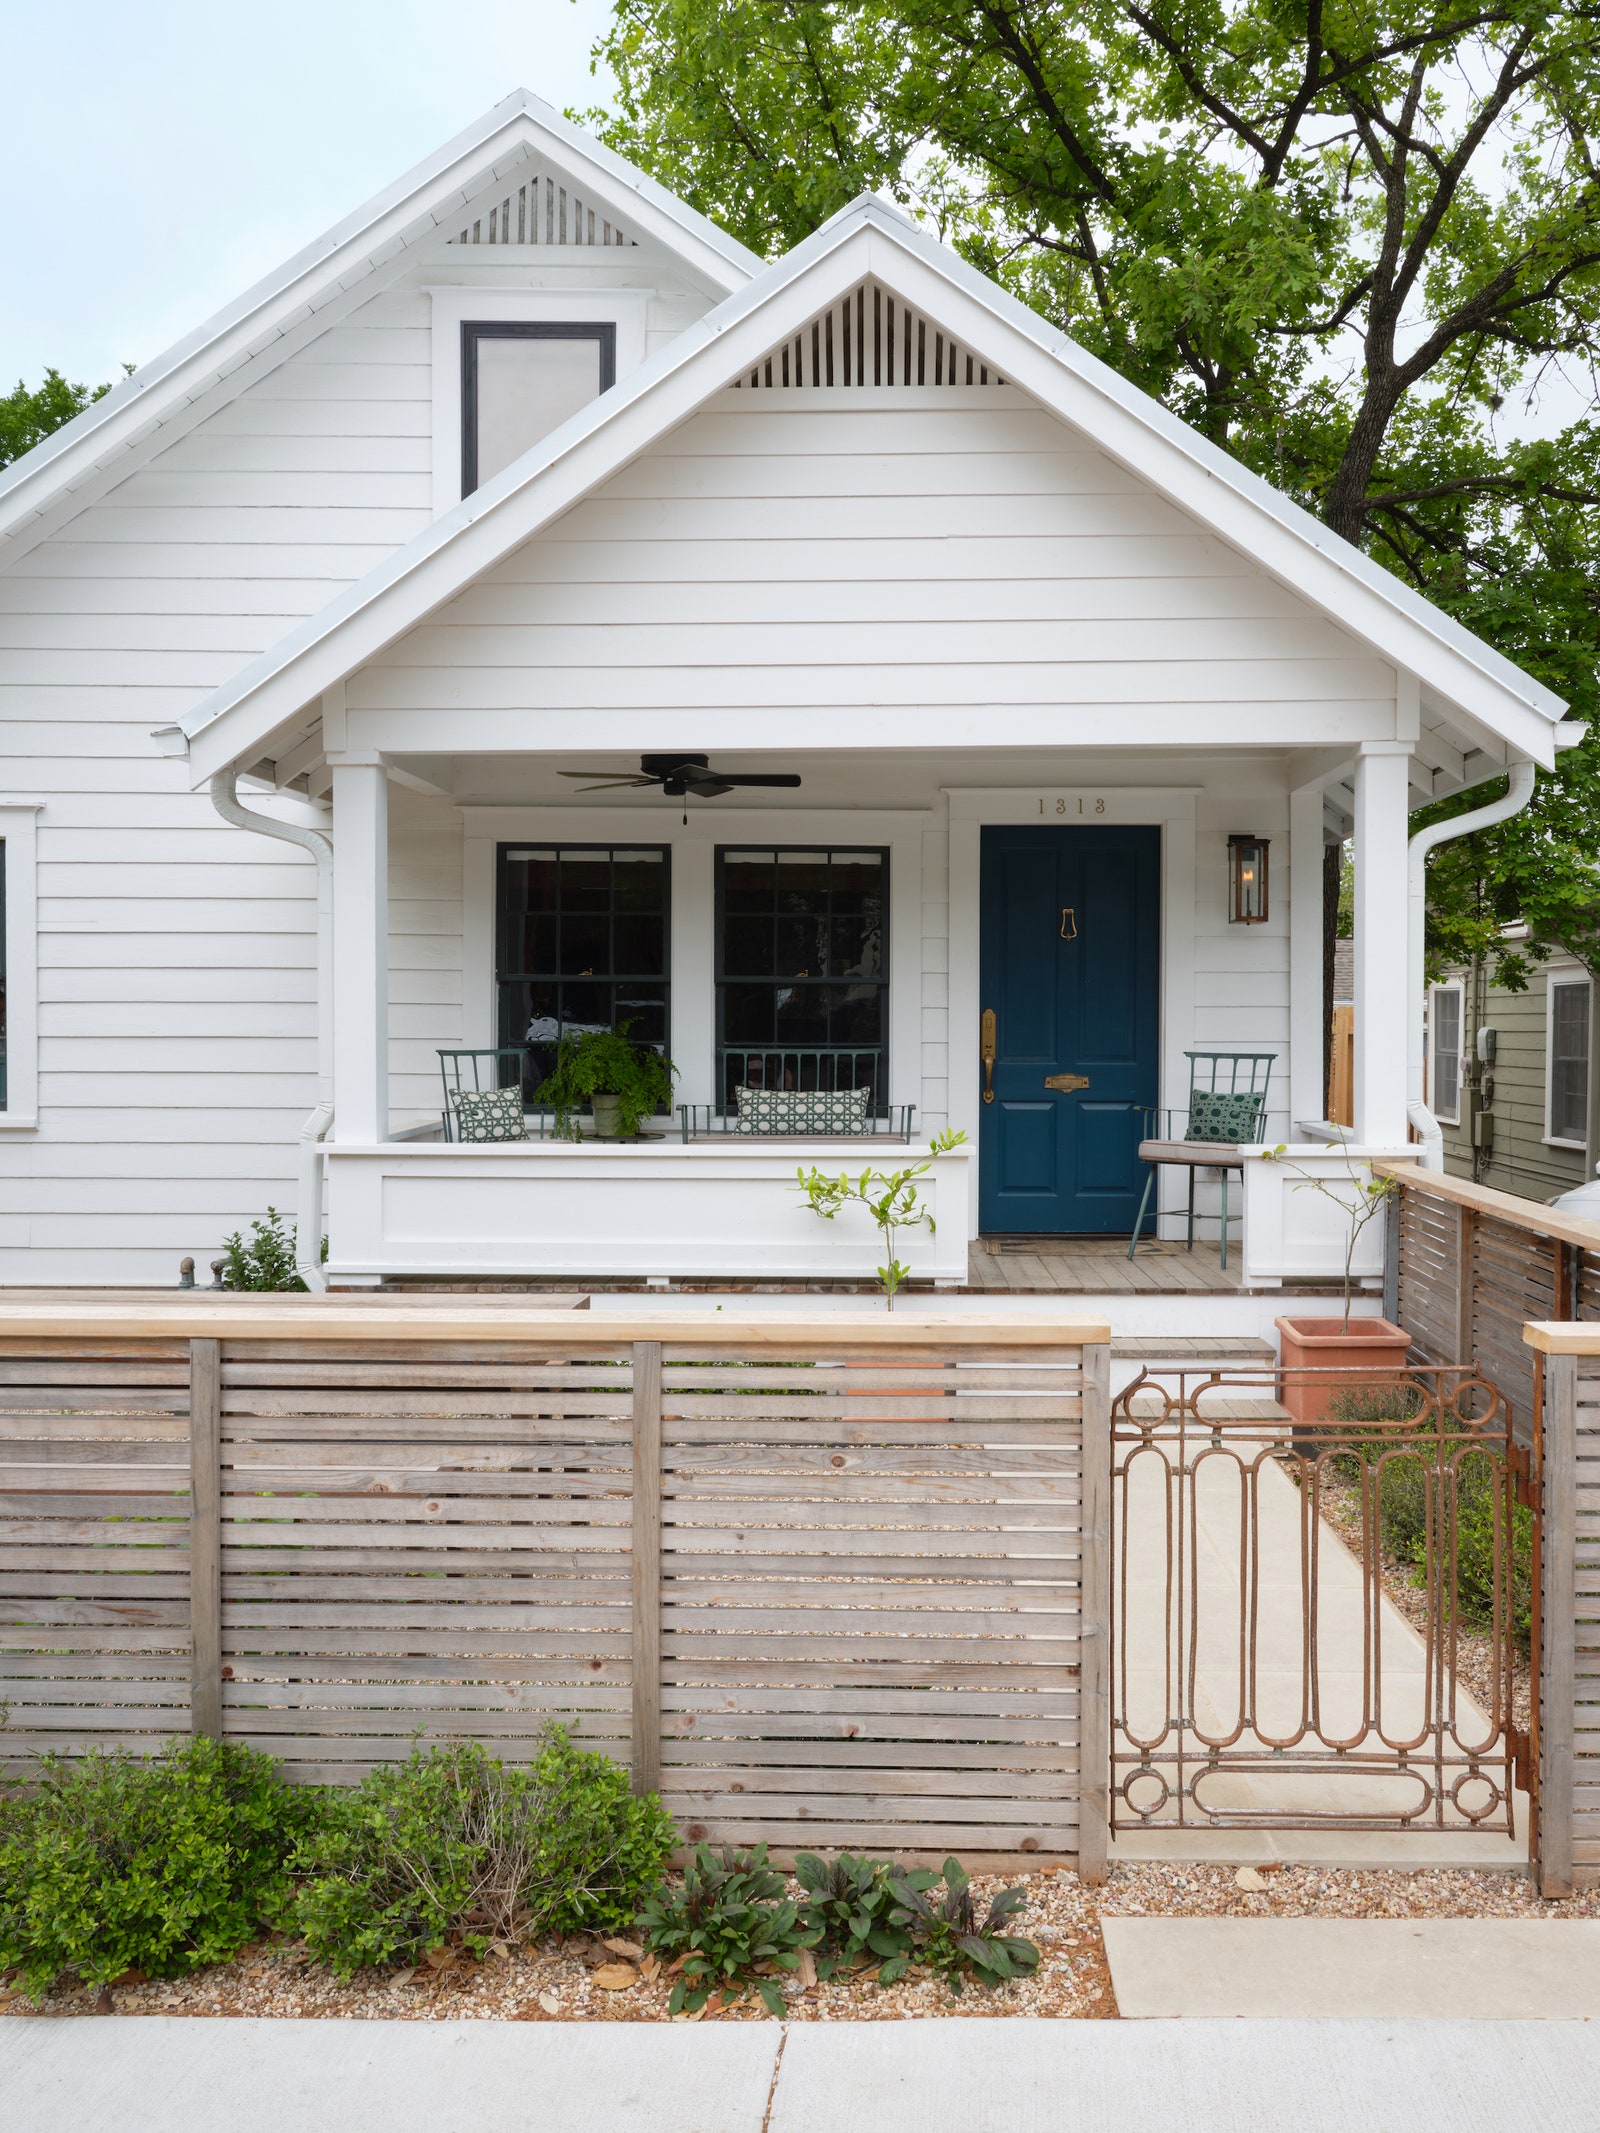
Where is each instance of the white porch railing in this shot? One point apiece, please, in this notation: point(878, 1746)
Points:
point(719, 1209)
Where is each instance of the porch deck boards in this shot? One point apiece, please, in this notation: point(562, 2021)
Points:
point(1089, 1266)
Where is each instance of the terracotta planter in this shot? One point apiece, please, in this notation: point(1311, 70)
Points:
point(1372, 1353)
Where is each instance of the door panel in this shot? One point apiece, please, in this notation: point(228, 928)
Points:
point(1069, 962)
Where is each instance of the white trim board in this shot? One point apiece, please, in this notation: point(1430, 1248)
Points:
point(19, 834)
point(1171, 809)
point(693, 979)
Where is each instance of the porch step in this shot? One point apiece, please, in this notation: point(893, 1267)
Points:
point(1197, 1348)
point(1219, 1407)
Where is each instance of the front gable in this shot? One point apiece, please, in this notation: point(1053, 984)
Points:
point(1109, 490)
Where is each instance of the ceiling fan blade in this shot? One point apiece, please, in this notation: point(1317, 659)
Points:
point(612, 784)
point(758, 777)
point(612, 777)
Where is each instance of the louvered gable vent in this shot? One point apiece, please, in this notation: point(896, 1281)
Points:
point(869, 337)
point(544, 211)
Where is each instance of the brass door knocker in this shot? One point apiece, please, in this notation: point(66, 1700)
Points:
point(1069, 918)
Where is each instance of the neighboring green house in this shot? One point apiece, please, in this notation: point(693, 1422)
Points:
point(1511, 1077)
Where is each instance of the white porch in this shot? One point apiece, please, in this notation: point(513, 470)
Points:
point(414, 960)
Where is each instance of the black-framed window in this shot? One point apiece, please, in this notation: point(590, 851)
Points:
point(522, 378)
point(581, 943)
point(1569, 1060)
point(802, 956)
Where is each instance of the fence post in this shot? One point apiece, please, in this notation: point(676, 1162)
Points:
point(646, 1540)
point(1094, 1677)
point(1557, 1687)
point(205, 1538)
point(1466, 1234)
point(1391, 1256)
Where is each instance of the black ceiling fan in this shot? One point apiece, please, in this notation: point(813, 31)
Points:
point(681, 776)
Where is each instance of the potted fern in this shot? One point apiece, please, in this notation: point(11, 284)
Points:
point(623, 1083)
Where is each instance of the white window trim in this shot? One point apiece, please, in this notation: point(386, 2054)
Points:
point(625, 309)
point(1570, 974)
point(1446, 1118)
point(18, 826)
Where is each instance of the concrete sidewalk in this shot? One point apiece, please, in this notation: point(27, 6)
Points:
point(156, 2075)
point(1481, 1969)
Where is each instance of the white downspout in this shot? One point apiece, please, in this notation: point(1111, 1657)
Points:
point(308, 1210)
point(1517, 795)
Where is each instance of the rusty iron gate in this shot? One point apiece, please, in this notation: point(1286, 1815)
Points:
point(1322, 1622)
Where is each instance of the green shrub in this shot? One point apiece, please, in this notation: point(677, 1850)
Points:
point(266, 1261)
point(1407, 1484)
point(162, 1864)
point(731, 1923)
point(454, 1842)
point(949, 1937)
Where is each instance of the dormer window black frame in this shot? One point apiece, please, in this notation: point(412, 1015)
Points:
point(473, 331)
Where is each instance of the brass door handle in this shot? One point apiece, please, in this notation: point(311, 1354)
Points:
point(1066, 1083)
point(988, 1044)
point(1069, 917)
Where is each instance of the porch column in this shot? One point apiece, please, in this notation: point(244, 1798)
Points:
point(1382, 818)
point(361, 950)
point(1307, 839)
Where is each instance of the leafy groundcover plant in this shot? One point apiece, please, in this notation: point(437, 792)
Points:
point(730, 1925)
point(453, 1842)
point(161, 1863)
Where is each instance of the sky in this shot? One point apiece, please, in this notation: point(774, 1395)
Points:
point(162, 157)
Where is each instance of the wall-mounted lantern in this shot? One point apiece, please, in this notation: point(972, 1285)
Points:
point(1247, 880)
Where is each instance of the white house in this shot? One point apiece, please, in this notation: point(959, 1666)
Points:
point(527, 470)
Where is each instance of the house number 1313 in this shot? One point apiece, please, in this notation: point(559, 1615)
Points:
point(1066, 807)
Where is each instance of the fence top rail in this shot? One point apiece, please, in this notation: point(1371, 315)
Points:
point(1505, 1207)
point(1563, 1337)
point(334, 1319)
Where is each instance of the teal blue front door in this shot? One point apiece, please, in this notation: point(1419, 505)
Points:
point(1069, 970)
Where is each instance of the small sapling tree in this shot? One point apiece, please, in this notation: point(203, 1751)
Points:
point(890, 1197)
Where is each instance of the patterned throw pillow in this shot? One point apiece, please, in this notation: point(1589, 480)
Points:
point(489, 1114)
point(802, 1110)
point(1224, 1115)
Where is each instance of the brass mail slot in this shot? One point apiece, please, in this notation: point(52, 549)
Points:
point(1066, 1083)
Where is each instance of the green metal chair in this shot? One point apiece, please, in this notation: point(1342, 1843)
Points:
point(1227, 1102)
point(477, 1105)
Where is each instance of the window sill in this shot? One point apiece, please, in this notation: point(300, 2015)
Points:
point(1550, 1141)
point(15, 1122)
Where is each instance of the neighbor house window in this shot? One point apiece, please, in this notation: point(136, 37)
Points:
point(1569, 1060)
point(1444, 1035)
point(581, 944)
point(802, 968)
point(522, 378)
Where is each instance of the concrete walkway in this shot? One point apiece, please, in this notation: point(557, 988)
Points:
point(155, 2075)
point(1490, 1969)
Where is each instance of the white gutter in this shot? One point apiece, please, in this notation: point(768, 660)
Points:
point(1519, 791)
point(308, 1210)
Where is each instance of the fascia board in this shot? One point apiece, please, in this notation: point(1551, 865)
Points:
point(342, 262)
point(1244, 509)
point(518, 504)
point(868, 238)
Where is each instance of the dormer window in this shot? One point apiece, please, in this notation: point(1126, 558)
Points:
point(521, 379)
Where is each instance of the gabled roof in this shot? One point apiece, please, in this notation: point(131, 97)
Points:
point(1455, 669)
point(341, 269)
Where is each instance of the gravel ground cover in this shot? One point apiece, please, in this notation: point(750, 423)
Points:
point(613, 1982)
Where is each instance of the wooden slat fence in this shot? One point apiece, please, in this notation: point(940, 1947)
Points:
point(1568, 1710)
point(825, 1589)
point(1474, 1266)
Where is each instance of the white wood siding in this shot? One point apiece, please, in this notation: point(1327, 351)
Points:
point(177, 958)
point(872, 549)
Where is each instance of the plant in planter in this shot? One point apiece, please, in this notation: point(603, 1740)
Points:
point(623, 1083)
point(1375, 1351)
point(889, 1196)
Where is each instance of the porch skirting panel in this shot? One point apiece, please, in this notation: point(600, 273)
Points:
point(556, 1207)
